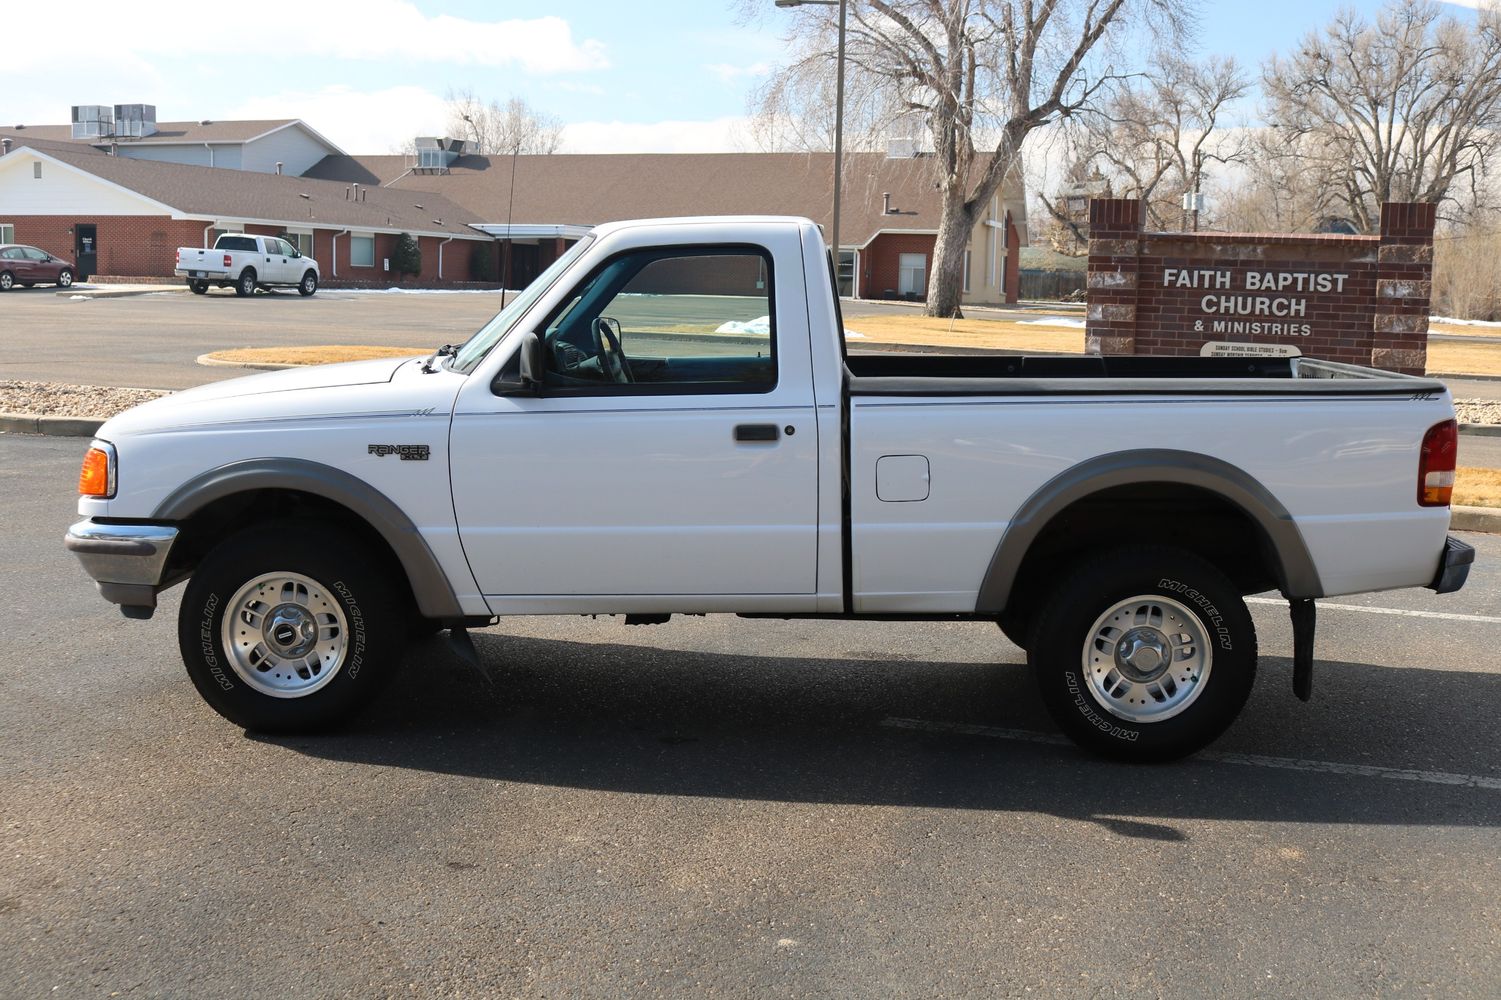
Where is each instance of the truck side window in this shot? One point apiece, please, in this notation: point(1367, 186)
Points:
point(694, 319)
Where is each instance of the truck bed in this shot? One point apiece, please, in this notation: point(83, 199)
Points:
point(981, 375)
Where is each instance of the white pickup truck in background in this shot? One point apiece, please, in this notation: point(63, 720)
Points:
point(667, 421)
point(247, 263)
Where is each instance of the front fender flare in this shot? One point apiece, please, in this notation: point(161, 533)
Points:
point(430, 585)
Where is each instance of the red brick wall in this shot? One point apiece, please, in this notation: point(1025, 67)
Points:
point(127, 244)
point(1140, 301)
point(880, 263)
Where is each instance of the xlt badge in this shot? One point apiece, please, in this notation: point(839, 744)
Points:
point(408, 452)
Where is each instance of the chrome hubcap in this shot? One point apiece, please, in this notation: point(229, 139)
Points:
point(1147, 658)
point(286, 635)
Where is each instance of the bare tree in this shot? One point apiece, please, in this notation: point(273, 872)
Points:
point(495, 127)
point(1407, 108)
point(981, 75)
point(1155, 135)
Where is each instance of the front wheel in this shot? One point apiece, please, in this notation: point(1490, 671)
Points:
point(65, 278)
point(7, 281)
point(308, 285)
point(289, 627)
point(1144, 653)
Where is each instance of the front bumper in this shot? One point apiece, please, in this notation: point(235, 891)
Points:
point(127, 561)
point(1453, 566)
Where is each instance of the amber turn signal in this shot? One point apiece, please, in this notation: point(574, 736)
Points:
point(96, 479)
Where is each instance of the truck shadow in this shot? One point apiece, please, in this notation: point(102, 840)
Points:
point(646, 720)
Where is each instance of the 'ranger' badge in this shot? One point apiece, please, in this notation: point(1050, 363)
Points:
point(408, 452)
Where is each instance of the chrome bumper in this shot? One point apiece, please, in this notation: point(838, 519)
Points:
point(126, 561)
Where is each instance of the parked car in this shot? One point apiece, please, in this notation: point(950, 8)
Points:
point(26, 266)
point(247, 263)
point(666, 421)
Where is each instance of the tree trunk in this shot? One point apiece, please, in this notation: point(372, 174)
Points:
point(946, 280)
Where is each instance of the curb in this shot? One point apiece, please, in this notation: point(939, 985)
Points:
point(24, 423)
point(105, 292)
point(1481, 430)
point(1463, 375)
point(1475, 519)
point(208, 360)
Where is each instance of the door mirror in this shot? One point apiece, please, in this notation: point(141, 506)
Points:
point(526, 378)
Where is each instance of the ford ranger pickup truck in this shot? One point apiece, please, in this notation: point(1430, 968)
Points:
point(667, 421)
point(246, 263)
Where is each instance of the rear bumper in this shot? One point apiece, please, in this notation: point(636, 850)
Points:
point(126, 561)
point(1453, 566)
point(200, 274)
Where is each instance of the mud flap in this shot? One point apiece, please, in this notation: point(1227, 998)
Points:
point(1304, 621)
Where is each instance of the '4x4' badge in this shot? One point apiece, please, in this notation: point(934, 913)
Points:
point(408, 452)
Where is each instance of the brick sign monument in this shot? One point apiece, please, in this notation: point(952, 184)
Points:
point(1359, 299)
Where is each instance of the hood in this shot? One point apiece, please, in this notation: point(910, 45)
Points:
point(266, 395)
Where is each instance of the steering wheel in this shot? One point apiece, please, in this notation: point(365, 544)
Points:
point(612, 358)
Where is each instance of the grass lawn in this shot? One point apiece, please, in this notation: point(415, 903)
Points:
point(1477, 487)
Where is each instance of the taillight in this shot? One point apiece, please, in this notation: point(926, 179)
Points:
point(227, 260)
point(97, 477)
point(1436, 464)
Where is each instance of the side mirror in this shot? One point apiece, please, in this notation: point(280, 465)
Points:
point(527, 379)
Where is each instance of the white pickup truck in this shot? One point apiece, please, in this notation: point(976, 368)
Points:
point(247, 263)
point(667, 421)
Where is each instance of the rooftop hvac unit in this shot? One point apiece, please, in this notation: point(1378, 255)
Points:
point(92, 121)
point(135, 120)
point(432, 154)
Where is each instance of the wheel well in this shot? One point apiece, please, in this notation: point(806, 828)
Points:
point(1196, 519)
point(215, 521)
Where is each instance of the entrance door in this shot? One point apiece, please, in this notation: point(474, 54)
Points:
point(86, 251)
point(912, 274)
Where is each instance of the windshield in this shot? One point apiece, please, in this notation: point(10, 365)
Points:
point(477, 346)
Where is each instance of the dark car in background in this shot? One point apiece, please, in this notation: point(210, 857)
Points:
point(27, 266)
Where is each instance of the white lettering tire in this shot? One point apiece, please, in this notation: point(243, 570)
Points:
point(1144, 653)
point(289, 626)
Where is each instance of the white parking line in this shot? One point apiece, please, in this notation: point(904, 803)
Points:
point(1403, 612)
point(1219, 757)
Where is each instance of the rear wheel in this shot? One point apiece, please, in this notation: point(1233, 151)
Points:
point(1144, 653)
point(289, 627)
point(65, 278)
point(308, 285)
point(246, 285)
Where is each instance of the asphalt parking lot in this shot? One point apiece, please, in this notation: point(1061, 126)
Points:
point(717, 807)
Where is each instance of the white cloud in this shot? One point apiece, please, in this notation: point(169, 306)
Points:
point(730, 73)
point(356, 121)
point(718, 135)
point(120, 34)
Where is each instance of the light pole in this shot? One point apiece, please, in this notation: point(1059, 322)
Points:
point(838, 118)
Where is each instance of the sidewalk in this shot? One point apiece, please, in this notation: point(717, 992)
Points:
point(116, 291)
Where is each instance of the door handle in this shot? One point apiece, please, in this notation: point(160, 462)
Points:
point(757, 432)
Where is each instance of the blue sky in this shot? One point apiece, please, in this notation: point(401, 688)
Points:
point(668, 75)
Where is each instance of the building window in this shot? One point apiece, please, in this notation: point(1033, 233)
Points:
point(302, 241)
point(846, 273)
point(7, 233)
point(912, 275)
point(362, 251)
point(36, 170)
point(966, 272)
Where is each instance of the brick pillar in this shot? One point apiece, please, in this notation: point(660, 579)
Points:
point(1114, 251)
point(1404, 285)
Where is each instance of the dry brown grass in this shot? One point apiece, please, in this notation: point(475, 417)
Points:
point(929, 332)
point(321, 354)
point(1462, 358)
point(1477, 487)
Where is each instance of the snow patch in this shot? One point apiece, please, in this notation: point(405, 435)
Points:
point(1464, 322)
point(1065, 321)
point(760, 325)
point(852, 335)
